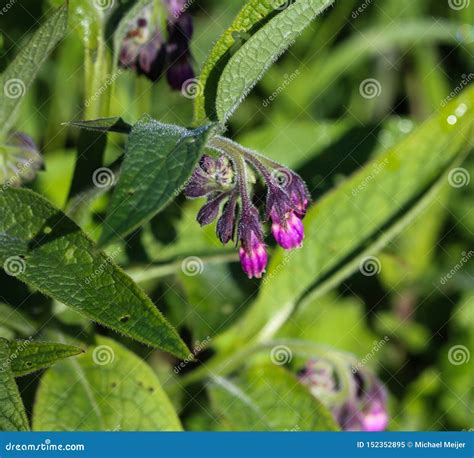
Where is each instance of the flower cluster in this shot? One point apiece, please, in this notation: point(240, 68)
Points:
point(146, 51)
point(363, 408)
point(226, 182)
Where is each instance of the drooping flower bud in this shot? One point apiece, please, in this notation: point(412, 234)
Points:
point(289, 232)
point(209, 211)
point(252, 251)
point(225, 228)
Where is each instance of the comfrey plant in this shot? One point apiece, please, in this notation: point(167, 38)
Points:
point(227, 183)
point(363, 404)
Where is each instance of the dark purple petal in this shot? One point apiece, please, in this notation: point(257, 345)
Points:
point(179, 72)
point(152, 57)
point(226, 223)
point(208, 213)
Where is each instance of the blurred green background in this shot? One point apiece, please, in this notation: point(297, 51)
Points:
point(308, 113)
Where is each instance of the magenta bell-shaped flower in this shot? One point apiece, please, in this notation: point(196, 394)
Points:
point(288, 233)
point(253, 257)
point(376, 418)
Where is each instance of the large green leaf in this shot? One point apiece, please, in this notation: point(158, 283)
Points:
point(42, 247)
point(159, 158)
point(27, 356)
point(359, 217)
point(267, 397)
point(20, 74)
point(108, 388)
point(12, 412)
point(260, 33)
point(247, 66)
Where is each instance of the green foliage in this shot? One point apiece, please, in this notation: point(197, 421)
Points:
point(108, 389)
point(50, 252)
point(12, 411)
point(367, 210)
point(31, 356)
point(159, 158)
point(20, 74)
point(259, 401)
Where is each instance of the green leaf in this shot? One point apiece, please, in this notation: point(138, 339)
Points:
point(250, 62)
point(249, 18)
point(42, 247)
point(115, 124)
point(268, 398)
point(159, 158)
point(20, 74)
point(359, 217)
point(28, 357)
point(108, 389)
point(12, 411)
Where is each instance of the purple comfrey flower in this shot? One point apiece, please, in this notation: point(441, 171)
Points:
point(289, 232)
point(364, 407)
point(252, 251)
point(211, 175)
point(145, 51)
point(226, 179)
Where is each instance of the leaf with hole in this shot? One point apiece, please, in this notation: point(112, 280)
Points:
point(41, 246)
point(108, 389)
point(28, 356)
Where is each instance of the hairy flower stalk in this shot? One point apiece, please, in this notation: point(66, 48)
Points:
point(363, 405)
point(226, 183)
